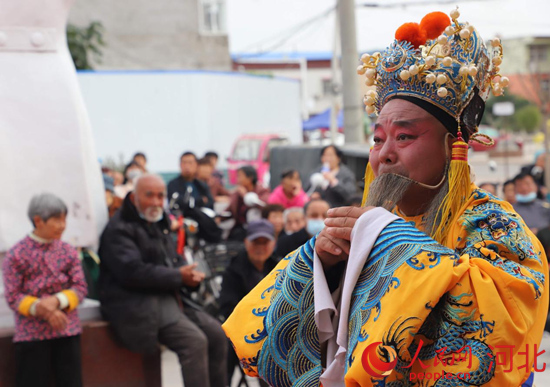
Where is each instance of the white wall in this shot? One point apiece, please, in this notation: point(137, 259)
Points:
point(164, 114)
point(317, 100)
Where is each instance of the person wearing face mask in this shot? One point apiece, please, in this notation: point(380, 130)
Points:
point(131, 172)
point(316, 213)
point(535, 212)
point(141, 276)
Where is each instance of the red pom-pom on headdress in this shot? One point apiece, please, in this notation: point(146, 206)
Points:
point(434, 24)
point(412, 33)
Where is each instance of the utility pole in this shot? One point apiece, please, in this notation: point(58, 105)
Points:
point(353, 113)
point(336, 83)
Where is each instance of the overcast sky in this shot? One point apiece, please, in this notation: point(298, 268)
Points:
point(269, 21)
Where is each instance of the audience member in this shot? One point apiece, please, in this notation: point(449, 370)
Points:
point(289, 193)
point(187, 182)
point(509, 191)
point(213, 157)
point(294, 219)
point(247, 181)
point(535, 212)
point(205, 174)
point(489, 187)
point(113, 202)
point(245, 271)
point(273, 213)
point(339, 181)
point(131, 172)
point(537, 169)
point(316, 213)
point(141, 160)
point(141, 275)
point(44, 283)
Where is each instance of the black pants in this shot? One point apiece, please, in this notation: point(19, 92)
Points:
point(35, 361)
point(201, 345)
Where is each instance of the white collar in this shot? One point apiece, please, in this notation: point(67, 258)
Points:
point(36, 238)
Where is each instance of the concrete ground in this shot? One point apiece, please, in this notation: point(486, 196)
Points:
point(171, 374)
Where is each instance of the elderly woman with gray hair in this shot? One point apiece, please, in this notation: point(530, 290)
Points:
point(44, 283)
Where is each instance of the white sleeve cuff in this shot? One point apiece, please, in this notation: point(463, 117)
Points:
point(63, 300)
point(32, 309)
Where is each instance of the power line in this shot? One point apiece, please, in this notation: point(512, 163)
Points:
point(285, 36)
point(415, 3)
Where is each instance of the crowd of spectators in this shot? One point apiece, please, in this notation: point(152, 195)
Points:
point(146, 284)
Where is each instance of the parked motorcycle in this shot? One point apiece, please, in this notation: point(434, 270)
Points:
point(192, 244)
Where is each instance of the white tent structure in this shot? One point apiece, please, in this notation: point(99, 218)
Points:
point(46, 143)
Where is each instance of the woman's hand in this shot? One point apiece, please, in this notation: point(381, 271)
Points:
point(46, 306)
point(57, 320)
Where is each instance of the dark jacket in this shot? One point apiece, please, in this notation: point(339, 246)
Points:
point(138, 264)
point(200, 192)
point(240, 277)
point(288, 243)
point(535, 214)
point(341, 193)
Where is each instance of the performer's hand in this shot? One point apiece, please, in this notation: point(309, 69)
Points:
point(190, 276)
point(57, 320)
point(333, 243)
point(341, 221)
point(46, 306)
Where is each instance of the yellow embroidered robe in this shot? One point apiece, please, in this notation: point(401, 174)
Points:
point(468, 313)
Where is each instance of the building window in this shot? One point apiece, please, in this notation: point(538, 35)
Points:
point(538, 54)
point(212, 17)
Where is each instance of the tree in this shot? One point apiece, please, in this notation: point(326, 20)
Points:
point(528, 118)
point(85, 43)
point(529, 113)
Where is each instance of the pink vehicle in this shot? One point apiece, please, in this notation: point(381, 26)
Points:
point(253, 149)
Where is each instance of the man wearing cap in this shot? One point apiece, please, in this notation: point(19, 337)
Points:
point(433, 278)
point(246, 270)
